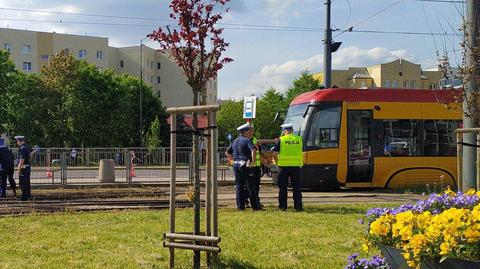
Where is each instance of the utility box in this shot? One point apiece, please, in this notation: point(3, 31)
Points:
point(106, 171)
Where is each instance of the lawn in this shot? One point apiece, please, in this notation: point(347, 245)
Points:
point(320, 237)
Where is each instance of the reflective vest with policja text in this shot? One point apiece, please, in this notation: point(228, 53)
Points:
point(257, 158)
point(290, 151)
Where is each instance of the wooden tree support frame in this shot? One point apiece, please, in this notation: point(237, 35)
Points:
point(210, 240)
point(460, 145)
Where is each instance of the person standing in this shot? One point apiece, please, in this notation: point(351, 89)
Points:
point(7, 164)
point(243, 153)
point(24, 168)
point(290, 161)
point(257, 169)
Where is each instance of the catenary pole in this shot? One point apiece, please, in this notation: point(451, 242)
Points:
point(469, 153)
point(327, 51)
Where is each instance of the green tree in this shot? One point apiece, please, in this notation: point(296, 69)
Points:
point(267, 107)
point(304, 83)
point(229, 117)
point(154, 137)
point(8, 76)
point(72, 103)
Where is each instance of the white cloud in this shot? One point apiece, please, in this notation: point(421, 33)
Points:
point(278, 8)
point(281, 75)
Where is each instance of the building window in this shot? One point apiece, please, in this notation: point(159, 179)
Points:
point(67, 50)
point(44, 57)
point(159, 94)
point(363, 84)
point(99, 54)
point(27, 66)
point(406, 83)
point(8, 47)
point(413, 84)
point(26, 49)
point(82, 54)
point(387, 84)
point(159, 65)
point(158, 79)
point(151, 79)
point(394, 84)
point(121, 64)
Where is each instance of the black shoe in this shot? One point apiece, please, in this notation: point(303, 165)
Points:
point(299, 209)
point(283, 208)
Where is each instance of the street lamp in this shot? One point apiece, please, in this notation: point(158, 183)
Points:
point(141, 92)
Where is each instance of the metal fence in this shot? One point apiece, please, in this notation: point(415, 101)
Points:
point(132, 165)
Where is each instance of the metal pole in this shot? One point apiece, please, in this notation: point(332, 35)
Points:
point(208, 186)
point(214, 138)
point(327, 51)
point(128, 165)
point(469, 155)
point(141, 92)
point(63, 171)
point(459, 161)
point(173, 175)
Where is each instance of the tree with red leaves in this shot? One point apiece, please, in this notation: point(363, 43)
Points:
point(197, 46)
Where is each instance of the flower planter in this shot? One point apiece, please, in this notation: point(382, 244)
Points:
point(396, 260)
point(454, 263)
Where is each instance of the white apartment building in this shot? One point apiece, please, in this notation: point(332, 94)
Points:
point(30, 51)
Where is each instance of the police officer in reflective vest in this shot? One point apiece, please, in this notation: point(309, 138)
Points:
point(243, 152)
point(257, 170)
point(290, 160)
point(24, 167)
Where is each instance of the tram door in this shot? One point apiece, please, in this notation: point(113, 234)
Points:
point(360, 137)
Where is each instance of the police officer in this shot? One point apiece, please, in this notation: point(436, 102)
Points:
point(257, 170)
point(24, 167)
point(243, 153)
point(7, 169)
point(290, 160)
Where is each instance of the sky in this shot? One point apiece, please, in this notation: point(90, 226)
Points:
point(288, 42)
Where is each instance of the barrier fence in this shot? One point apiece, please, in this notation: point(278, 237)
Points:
point(131, 165)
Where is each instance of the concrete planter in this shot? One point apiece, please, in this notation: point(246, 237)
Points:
point(396, 260)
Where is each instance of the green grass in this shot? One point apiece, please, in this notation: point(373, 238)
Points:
point(320, 237)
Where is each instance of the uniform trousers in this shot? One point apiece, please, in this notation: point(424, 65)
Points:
point(294, 174)
point(242, 179)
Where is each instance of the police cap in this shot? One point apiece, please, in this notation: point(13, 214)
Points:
point(20, 137)
point(287, 126)
point(244, 127)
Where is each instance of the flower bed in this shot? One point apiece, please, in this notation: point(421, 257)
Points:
point(445, 225)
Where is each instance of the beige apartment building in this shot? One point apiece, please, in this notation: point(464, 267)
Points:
point(397, 74)
point(30, 51)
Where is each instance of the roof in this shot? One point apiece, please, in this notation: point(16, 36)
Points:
point(379, 95)
point(361, 75)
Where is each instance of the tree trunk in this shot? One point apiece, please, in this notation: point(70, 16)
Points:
point(196, 174)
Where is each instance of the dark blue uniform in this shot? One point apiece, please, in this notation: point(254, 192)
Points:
point(6, 170)
point(24, 173)
point(241, 149)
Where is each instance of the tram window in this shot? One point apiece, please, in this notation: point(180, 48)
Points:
point(324, 128)
point(401, 138)
point(295, 116)
point(439, 138)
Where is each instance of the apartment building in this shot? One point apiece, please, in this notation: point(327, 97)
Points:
point(396, 74)
point(30, 51)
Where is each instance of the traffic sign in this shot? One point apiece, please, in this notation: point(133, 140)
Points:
point(249, 107)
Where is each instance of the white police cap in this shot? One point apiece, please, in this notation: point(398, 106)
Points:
point(19, 137)
point(244, 127)
point(286, 126)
